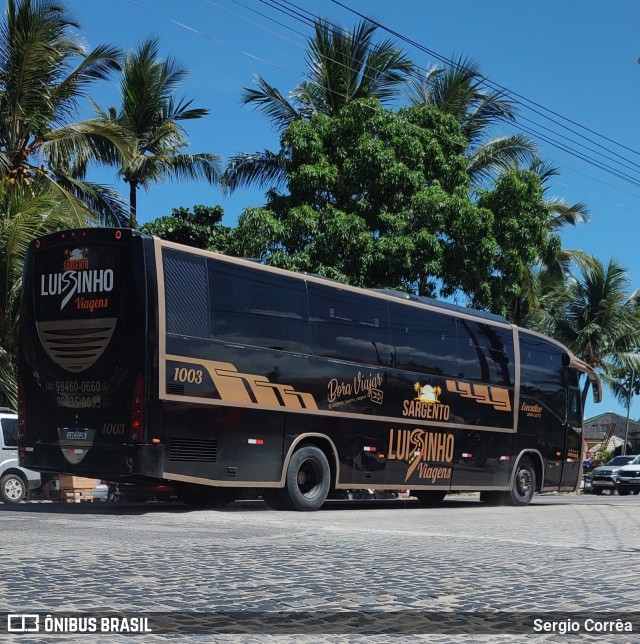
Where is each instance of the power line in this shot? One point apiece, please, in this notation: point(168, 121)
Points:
point(308, 18)
point(522, 99)
point(519, 98)
point(298, 14)
point(292, 10)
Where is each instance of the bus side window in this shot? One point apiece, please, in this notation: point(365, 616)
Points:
point(349, 326)
point(425, 341)
point(485, 353)
point(258, 308)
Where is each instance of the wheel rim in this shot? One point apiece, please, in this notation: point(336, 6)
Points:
point(524, 482)
point(309, 477)
point(13, 489)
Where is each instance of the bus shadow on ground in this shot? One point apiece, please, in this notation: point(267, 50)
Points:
point(257, 505)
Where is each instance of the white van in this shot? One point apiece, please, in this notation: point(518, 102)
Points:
point(15, 481)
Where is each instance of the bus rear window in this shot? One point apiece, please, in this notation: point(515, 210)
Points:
point(187, 303)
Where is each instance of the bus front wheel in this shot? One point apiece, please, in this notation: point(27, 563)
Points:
point(524, 484)
point(308, 479)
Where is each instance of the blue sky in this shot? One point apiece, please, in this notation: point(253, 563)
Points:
point(578, 58)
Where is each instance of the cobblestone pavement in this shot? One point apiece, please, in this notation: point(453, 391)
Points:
point(576, 556)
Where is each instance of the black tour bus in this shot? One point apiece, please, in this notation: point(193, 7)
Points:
point(143, 360)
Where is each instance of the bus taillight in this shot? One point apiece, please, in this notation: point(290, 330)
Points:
point(137, 411)
point(22, 418)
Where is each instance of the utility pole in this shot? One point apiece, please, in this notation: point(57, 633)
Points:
point(626, 428)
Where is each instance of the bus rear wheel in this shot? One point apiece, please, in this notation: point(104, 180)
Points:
point(430, 498)
point(524, 484)
point(308, 479)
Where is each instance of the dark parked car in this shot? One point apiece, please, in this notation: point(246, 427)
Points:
point(628, 477)
point(604, 477)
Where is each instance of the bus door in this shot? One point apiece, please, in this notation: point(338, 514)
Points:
point(572, 462)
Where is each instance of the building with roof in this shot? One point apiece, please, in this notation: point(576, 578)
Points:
point(607, 431)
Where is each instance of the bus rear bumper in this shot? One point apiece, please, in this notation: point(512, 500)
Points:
point(100, 462)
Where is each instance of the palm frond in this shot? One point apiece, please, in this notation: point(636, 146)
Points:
point(98, 64)
point(544, 169)
point(500, 154)
point(203, 166)
point(101, 140)
point(91, 202)
point(562, 214)
point(460, 90)
point(268, 100)
point(264, 169)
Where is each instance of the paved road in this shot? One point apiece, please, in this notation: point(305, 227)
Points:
point(577, 556)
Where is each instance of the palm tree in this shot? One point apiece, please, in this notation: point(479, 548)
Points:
point(597, 319)
point(460, 90)
point(342, 67)
point(149, 120)
point(24, 216)
point(44, 71)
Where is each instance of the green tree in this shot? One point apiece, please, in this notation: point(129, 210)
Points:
point(149, 120)
point(342, 67)
point(544, 277)
point(201, 228)
point(381, 199)
point(520, 228)
point(44, 71)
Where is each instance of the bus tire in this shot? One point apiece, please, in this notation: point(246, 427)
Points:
point(308, 479)
point(430, 498)
point(524, 483)
point(12, 488)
